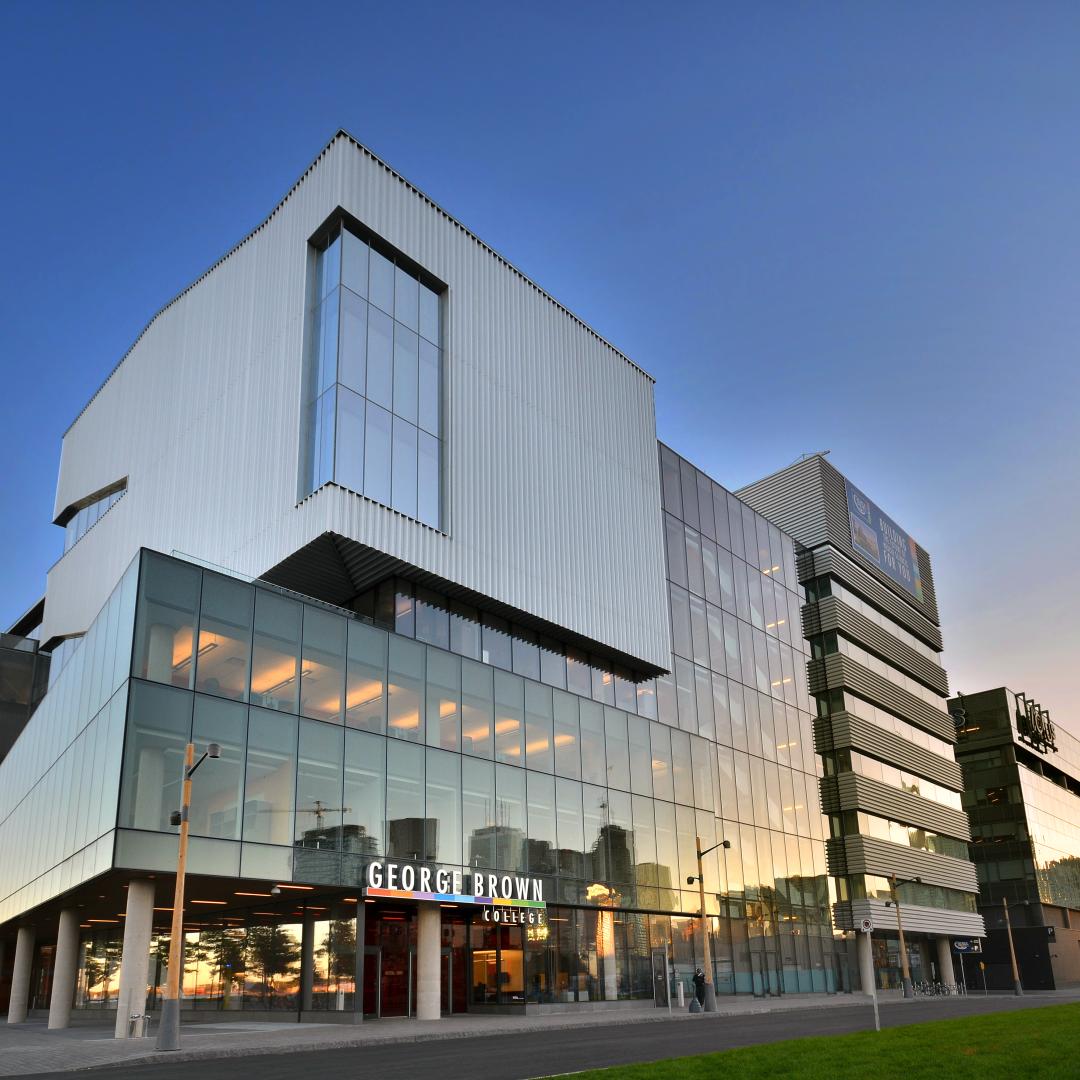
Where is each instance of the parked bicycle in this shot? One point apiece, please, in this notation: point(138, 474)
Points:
point(938, 989)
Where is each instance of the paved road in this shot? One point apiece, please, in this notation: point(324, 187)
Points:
point(532, 1054)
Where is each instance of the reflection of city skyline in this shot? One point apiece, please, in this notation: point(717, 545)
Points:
point(610, 859)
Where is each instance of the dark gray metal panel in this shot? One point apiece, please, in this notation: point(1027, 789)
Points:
point(837, 672)
point(828, 562)
point(831, 613)
point(849, 791)
point(842, 730)
point(336, 569)
point(869, 855)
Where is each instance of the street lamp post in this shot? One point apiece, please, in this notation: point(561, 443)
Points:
point(1018, 990)
point(169, 1029)
point(710, 990)
point(905, 969)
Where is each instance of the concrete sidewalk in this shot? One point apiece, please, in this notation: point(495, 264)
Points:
point(29, 1048)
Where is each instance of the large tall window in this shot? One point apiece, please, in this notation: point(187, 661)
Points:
point(373, 379)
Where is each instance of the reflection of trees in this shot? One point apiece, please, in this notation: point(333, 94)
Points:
point(337, 958)
point(223, 952)
point(271, 951)
point(1060, 880)
point(101, 963)
point(339, 948)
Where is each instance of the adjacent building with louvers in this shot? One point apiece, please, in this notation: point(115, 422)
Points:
point(891, 786)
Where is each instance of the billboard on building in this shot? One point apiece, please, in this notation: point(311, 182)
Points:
point(875, 535)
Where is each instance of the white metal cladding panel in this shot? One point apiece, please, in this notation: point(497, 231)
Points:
point(552, 480)
point(926, 920)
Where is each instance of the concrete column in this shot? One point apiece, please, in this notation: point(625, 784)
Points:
point(946, 973)
point(307, 961)
point(606, 948)
point(149, 788)
point(428, 940)
point(20, 975)
point(135, 957)
point(159, 653)
point(866, 963)
point(65, 966)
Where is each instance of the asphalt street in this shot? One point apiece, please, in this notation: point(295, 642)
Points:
point(533, 1054)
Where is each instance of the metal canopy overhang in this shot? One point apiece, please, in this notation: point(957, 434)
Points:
point(336, 570)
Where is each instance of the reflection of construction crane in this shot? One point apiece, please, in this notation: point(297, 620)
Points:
point(320, 811)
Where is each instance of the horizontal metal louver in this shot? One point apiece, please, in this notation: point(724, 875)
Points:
point(868, 855)
point(844, 730)
point(828, 562)
point(831, 613)
point(837, 672)
point(849, 791)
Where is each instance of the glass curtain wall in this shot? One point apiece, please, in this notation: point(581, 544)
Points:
point(342, 742)
point(739, 685)
point(373, 377)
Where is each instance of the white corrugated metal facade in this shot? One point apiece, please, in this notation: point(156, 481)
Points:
point(552, 489)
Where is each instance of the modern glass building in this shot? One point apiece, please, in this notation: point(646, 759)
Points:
point(897, 847)
point(1022, 795)
point(487, 664)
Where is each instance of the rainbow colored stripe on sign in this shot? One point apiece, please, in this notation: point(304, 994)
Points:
point(450, 898)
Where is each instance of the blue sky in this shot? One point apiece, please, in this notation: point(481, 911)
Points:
point(842, 226)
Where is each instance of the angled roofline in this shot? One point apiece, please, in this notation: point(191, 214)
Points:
point(341, 133)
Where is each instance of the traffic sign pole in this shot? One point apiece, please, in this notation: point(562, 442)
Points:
point(867, 927)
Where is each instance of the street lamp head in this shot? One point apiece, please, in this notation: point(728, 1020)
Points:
point(213, 750)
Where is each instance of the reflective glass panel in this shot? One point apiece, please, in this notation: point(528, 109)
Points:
point(225, 628)
point(217, 788)
point(365, 779)
point(406, 689)
point(270, 777)
point(406, 827)
point(165, 628)
point(365, 694)
point(322, 669)
point(443, 699)
point(276, 655)
point(319, 785)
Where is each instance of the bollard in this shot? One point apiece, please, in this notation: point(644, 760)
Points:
point(681, 994)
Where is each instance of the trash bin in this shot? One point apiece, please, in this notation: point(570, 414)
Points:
point(137, 1025)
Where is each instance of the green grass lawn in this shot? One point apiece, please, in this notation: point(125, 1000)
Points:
point(1043, 1042)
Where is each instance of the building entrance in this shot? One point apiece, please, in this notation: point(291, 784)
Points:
point(390, 964)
